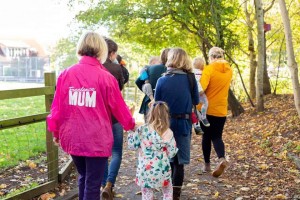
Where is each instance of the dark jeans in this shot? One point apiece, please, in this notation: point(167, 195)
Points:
point(177, 172)
point(213, 134)
point(91, 170)
point(112, 169)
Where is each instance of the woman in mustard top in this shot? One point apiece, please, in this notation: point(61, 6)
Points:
point(215, 80)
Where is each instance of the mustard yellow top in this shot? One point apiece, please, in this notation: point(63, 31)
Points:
point(215, 81)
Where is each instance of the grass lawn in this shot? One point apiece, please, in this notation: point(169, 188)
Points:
point(23, 142)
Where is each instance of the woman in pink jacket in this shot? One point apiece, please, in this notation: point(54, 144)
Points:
point(86, 97)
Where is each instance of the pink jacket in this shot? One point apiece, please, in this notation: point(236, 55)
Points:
point(86, 97)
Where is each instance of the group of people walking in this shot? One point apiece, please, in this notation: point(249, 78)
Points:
point(88, 115)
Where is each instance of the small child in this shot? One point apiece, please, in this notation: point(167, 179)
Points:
point(147, 88)
point(198, 64)
point(157, 146)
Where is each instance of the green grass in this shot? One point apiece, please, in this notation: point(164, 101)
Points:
point(23, 142)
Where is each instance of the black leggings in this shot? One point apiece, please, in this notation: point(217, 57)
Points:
point(177, 172)
point(213, 134)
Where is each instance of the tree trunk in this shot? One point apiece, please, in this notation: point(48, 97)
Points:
point(261, 54)
point(253, 65)
point(267, 85)
point(292, 64)
point(234, 105)
point(251, 49)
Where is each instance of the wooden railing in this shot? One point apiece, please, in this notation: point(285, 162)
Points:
point(51, 149)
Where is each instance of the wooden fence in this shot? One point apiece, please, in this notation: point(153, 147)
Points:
point(130, 94)
point(54, 175)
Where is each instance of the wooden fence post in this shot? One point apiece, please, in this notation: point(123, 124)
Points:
point(52, 150)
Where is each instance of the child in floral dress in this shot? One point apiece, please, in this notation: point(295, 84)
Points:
point(156, 146)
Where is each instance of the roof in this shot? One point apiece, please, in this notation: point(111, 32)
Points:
point(23, 43)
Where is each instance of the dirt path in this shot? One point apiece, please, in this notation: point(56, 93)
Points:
point(258, 146)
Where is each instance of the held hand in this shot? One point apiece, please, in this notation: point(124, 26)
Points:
point(135, 127)
point(150, 103)
point(56, 141)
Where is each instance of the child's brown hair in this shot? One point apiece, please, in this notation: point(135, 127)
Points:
point(159, 117)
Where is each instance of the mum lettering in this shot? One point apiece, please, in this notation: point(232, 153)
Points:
point(82, 97)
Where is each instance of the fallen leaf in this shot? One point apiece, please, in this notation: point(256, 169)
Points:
point(245, 189)
point(47, 196)
point(268, 189)
point(191, 185)
point(118, 196)
point(263, 166)
point(216, 195)
point(280, 196)
point(241, 157)
point(32, 165)
point(3, 186)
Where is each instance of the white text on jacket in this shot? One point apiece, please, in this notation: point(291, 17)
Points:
point(82, 97)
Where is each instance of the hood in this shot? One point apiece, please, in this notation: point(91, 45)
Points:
point(221, 66)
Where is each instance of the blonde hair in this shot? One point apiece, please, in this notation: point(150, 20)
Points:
point(159, 117)
point(154, 60)
point(178, 58)
point(198, 62)
point(92, 44)
point(164, 55)
point(215, 53)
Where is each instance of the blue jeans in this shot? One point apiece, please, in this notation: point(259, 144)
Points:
point(90, 171)
point(112, 169)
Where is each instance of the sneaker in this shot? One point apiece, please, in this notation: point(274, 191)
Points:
point(206, 168)
point(198, 129)
point(205, 122)
point(220, 169)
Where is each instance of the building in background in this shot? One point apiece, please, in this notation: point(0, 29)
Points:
point(22, 60)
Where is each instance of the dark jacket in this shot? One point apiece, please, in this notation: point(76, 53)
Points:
point(154, 73)
point(174, 89)
point(116, 71)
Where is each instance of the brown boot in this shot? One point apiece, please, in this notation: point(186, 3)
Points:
point(220, 168)
point(176, 192)
point(107, 192)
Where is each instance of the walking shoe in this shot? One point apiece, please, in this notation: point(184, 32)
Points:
point(198, 129)
point(220, 169)
point(205, 122)
point(206, 168)
point(107, 193)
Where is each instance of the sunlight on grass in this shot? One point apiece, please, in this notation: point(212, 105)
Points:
point(21, 143)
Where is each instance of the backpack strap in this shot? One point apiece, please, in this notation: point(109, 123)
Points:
point(191, 78)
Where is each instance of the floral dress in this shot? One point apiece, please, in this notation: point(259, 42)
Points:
point(154, 170)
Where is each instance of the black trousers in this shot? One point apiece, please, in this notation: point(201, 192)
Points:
point(213, 135)
point(177, 173)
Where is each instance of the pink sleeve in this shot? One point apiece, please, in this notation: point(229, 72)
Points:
point(118, 107)
point(53, 117)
